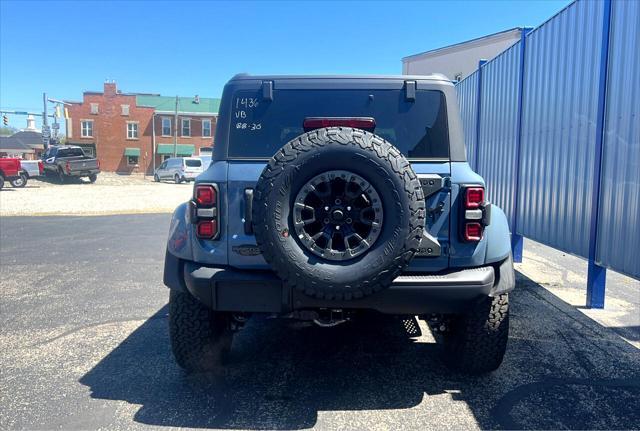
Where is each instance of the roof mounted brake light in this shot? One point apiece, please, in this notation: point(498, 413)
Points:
point(364, 123)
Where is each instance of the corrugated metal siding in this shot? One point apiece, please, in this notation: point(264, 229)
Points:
point(618, 228)
point(559, 122)
point(498, 127)
point(467, 98)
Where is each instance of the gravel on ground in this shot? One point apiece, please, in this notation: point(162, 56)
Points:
point(110, 194)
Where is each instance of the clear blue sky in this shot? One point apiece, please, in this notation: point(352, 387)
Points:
point(190, 48)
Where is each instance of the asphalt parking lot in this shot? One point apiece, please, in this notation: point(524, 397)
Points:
point(84, 341)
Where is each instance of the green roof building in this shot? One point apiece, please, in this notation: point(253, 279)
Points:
point(136, 132)
point(186, 105)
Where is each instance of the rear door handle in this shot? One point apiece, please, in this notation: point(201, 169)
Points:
point(248, 209)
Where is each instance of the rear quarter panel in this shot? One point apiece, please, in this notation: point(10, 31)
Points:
point(495, 243)
point(214, 252)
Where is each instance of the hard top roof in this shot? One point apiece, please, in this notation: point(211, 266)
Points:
point(432, 77)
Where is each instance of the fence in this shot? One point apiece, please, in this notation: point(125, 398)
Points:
point(553, 125)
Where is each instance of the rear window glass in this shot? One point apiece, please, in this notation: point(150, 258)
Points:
point(260, 127)
point(193, 163)
point(70, 152)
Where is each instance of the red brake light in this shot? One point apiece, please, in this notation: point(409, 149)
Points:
point(206, 195)
point(98, 163)
point(207, 229)
point(40, 167)
point(473, 231)
point(205, 211)
point(68, 167)
point(364, 123)
point(474, 196)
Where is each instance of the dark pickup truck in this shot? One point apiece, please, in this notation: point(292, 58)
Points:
point(67, 161)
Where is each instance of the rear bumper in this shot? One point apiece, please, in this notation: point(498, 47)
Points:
point(83, 172)
point(229, 289)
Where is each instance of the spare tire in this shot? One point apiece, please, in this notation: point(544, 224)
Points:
point(338, 213)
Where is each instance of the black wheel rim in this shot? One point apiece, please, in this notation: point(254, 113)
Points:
point(337, 215)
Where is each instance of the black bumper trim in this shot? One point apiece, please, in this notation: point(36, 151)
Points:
point(230, 289)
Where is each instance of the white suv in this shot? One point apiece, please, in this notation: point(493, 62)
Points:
point(179, 169)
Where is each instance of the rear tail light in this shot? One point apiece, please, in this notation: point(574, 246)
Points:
point(364, 123)
point(474, 218)
point(207, 229)
point(206, 196)
point(206, 214)
point(474, 197)
point(473, 231)
point(68, 168)
point(40, 167)
point(98, 163)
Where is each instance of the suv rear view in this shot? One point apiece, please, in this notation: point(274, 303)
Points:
point(330, 197)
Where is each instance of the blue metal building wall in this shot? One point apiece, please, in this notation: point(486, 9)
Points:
point(618, 227)
point(467, 99)
point(559, 128)
point(569, 137)
point(499, 127)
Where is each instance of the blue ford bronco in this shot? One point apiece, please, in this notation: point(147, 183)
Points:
point(329, 197)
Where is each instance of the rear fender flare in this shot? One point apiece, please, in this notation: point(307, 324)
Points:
point(180, 233)
point(497, 236)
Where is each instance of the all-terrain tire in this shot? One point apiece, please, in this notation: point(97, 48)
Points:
point(61, 176)
point(177, 179)
point(476, 342)
point(361, 153)
point(200, 338)
point(93, 178)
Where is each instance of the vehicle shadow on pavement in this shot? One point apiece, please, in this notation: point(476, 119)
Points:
point(562, 370)
point(68, 180)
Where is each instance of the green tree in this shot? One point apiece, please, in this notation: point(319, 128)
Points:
point(7, 131)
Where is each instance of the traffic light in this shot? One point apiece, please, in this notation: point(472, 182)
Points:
point(58, 113)
point(5, 120)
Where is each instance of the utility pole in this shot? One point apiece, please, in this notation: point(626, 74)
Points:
point(153, 141)
point(175, 136)
point(46, 132)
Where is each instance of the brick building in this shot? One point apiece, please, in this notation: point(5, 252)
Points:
point(133, 132)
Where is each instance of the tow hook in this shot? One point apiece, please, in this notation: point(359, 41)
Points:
point(330, 318)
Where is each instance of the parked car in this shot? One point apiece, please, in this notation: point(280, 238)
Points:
point(332, 197)
point(206, 161)
point(28, 169)
point(179, 169)
point(9, 171)
point(67, 161)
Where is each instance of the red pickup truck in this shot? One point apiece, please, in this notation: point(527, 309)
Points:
point(9, 170)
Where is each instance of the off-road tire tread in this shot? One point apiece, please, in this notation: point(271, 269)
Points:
point(388, 154)
point(200, 338)
point(477, 341)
